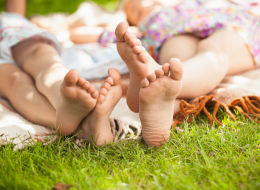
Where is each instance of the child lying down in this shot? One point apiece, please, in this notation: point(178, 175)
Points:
point(34, 78)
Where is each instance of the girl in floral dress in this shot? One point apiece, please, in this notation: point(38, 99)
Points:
point(189, 30)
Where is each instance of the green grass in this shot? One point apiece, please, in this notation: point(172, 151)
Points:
point(201, 157)
point(65, 6)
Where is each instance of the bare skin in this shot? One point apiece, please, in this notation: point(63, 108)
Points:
point(77, 98)
point(41, 82)
point(96, 126)
point(139, 63)
point(20, 90)
point(156, 102)
point(149, 88)
point(222, 53)
point(70, 95)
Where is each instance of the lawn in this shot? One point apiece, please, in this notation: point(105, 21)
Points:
point(65, 6)
point(201, 157)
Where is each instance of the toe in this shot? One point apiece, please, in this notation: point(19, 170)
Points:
point(109, 81)
point(145, 83)
point(159, 73)
point(134, 42)
point(138, 49)
point(100, 99)
point(106, 85)
point(115, 75)
point(129, 37)
point(103, 91)
point(71, 77)
point(95, 94)
point(176, 70)
point(81, 81)
point(86, 85)
point(143, 57)
point(120, 31)
point(91, 89)
point(151, 77)
point(166, 69)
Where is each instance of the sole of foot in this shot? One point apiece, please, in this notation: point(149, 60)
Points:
point(96, 126)
point(134, 55)
point(76, 99)
point(156, 100)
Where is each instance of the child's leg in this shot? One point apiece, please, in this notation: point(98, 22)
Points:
point(157, 91)
point(72, 96)
point(20, 90)
point(182, 47)
point(42, 62)
point(220, 54)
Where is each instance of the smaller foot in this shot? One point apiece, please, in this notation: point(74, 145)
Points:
point(134, 55)
point(76, 99)
point(97, 123)
point(156, 98)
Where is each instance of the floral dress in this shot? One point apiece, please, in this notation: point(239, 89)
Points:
point(200, 18)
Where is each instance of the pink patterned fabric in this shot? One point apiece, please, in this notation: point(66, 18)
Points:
point(201, 19)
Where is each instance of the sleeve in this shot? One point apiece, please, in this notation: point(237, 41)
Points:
point(107, 37)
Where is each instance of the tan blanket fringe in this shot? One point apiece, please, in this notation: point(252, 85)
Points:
point(249, 106)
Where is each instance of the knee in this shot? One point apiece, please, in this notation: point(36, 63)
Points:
point(208, 45)
point(24, 51)
point(19, 80)
point(42, 49)
point(214, 51)
point(182, 47)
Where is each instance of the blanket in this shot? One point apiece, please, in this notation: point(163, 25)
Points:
point(125, 124)
point(240, 92)
point(15, 129)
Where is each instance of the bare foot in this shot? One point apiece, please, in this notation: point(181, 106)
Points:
point(157, 95)
point(134, 55)
point(97, 122)
point(77, 98)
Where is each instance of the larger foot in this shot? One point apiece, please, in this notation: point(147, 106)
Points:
point(133, 54)
point(77, 98)
point(96, 126)
point(157, 95)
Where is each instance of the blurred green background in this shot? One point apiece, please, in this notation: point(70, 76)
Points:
point(65, 6)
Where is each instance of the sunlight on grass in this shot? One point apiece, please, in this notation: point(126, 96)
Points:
point(50, 6)
point(201, 157)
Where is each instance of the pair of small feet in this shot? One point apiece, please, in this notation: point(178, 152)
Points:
point(152, 94)
point(84, 111)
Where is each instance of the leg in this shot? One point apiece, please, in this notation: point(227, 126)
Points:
point(72, 96)
point(42, 62)
point(140, 64)
point(182, 47)
point(223, 53)
point(19, 89)
point(97, 122)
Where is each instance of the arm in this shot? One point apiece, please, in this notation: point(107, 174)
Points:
point(88, 34)
point(16, 6)
point(170, 3)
